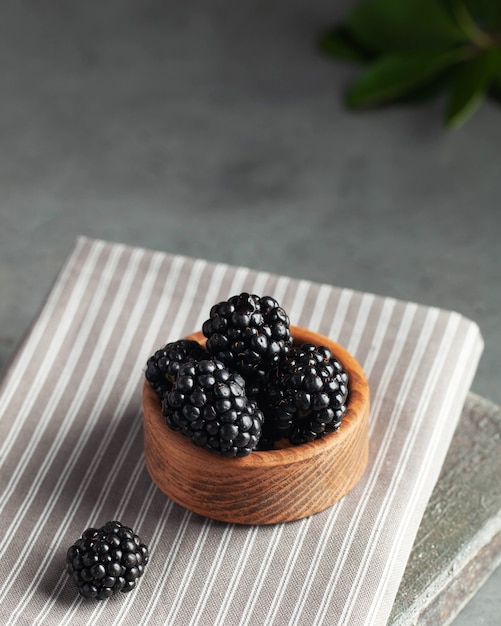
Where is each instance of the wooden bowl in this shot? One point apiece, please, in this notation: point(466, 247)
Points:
point(265, 487)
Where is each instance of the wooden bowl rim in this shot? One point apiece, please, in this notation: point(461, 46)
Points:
point(358, 401)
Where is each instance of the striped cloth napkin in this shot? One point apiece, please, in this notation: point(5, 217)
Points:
point(71, 450)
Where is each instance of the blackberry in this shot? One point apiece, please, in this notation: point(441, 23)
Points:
point(162, 367)
point(106, 560)
point(306, 394)
point(208, 403)
point(249, 334)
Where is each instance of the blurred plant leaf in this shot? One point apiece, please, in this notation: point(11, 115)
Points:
point(426, 92)
point(476, 19)
point(470, 84)
point(393, 76)
point(392, 25)
point(411, 50)
point(487, 13)
point(339, 42)
point(495, 89)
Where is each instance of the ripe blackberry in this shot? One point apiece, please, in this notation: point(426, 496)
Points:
point(106, 560)
point(162, 367)
point(307, 393)
point(248, 334)
point(208, 403)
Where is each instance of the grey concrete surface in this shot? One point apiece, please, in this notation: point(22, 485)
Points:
point(458, 544)
point(216, 130)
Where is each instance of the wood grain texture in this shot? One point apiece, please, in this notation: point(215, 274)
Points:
point(270, 486)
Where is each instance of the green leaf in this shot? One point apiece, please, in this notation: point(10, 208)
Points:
point(423, 93)
point(393, 76)
point(473, 28)
point(470, 85)
point(495, 88)
point(338, 42)
point(487, 13)
point(392, 25)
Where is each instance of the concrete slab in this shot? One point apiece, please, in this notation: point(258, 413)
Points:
point(458, 545)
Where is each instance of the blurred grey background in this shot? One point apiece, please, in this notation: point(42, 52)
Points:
point(217, 130)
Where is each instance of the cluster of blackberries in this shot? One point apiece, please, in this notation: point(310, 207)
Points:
point(106, 560)
point(250, 386)
point(308, 392)
point(208, 403)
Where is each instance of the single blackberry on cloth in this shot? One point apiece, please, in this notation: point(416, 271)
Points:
point(306, 394)
point(162, 367)
point(106, 560)
point(208, 403)
point(248, 334)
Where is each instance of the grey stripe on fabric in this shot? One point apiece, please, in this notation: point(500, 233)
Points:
point(71, 450)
